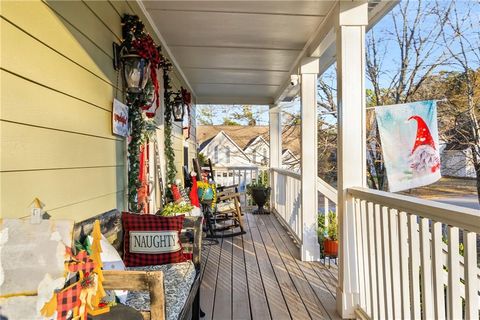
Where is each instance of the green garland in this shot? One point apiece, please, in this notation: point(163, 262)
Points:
point(137, 125)
point(169, 152)
point(141, 128)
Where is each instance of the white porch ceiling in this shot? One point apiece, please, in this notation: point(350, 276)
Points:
point(237, 51)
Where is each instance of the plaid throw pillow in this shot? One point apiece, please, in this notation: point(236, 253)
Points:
point(151, 240)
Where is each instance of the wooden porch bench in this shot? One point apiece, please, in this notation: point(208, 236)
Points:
point(153, 282)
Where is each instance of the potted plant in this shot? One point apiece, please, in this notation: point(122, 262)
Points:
point(260, 192)
point(207, 193)
point(174, 209)
point(330, 242)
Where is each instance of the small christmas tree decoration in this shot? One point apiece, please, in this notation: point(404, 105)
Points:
point(100, 292)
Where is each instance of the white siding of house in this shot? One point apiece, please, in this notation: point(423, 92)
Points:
point(457, 163)
point(223, 144)
point(258, 151)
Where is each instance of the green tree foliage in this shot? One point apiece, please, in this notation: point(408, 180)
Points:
point(230, 115)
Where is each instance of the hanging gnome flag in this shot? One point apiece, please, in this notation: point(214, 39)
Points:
point(409, 136)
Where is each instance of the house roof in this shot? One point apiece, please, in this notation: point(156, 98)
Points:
point(252, 141)
point(245, 135)
point(242, 135)
point(207, 142)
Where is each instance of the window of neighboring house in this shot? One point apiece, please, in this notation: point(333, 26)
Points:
point(215, 154)
point(227, 154)
point(264, 160)
point(254, 157)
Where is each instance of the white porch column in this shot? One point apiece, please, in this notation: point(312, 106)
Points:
point(350, 53)
point(275, 158)
point(309, 71)
point(275, 142)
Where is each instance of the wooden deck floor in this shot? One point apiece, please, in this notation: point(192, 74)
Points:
point(257, 276)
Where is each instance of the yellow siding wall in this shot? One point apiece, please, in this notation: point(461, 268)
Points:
point(57, 87)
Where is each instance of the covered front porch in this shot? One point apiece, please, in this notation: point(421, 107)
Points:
point(259, 276)
point(393, 260)
point(399, 257)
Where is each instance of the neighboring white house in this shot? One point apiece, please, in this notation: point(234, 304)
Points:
point(457, 163)
point(223, 151)
point(240, 146)
point(239, 153)
point(258, 150)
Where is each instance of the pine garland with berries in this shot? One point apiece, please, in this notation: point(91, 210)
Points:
point(169, 152)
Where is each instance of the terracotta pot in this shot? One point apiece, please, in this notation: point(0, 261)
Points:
point(330, 248)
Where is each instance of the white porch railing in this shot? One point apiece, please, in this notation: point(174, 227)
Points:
point(406, 271)
point(286, 194)
point(409, 263)
point(237, 175)
point(286, 199)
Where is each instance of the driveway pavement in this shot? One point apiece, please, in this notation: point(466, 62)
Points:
point(470, 201)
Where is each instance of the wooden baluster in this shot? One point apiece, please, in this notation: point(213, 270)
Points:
point(395, 269)
point(414, 267)
point(438, 283)
point(426, 267)
point(404, 258)
point(372, 259)
point(387, 277)
point(454, 300)
point(379, 262)
point(359, 242)
point(366, 264)
point(471, 278)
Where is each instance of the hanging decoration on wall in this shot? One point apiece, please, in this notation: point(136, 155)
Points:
point(187, 100)
point(178, 110)
point(119, 118)
point(169, 152)
point(139, 59)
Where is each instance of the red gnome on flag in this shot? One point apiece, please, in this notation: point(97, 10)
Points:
point(424, 156)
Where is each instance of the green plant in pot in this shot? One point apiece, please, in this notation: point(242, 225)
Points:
point(174, 209)
point(330, 241)
point(260, 192)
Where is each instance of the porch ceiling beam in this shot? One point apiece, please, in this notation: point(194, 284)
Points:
point(238, 84)
point(239, 12)
point(235, 69)
point(233, 47)
point(234, 100)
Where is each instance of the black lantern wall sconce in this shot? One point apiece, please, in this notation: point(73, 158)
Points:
point(178, 107)
point(134, 64)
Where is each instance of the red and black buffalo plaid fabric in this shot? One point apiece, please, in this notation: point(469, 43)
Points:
point(81, 262)
point(148, 222)
point(67, 300)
